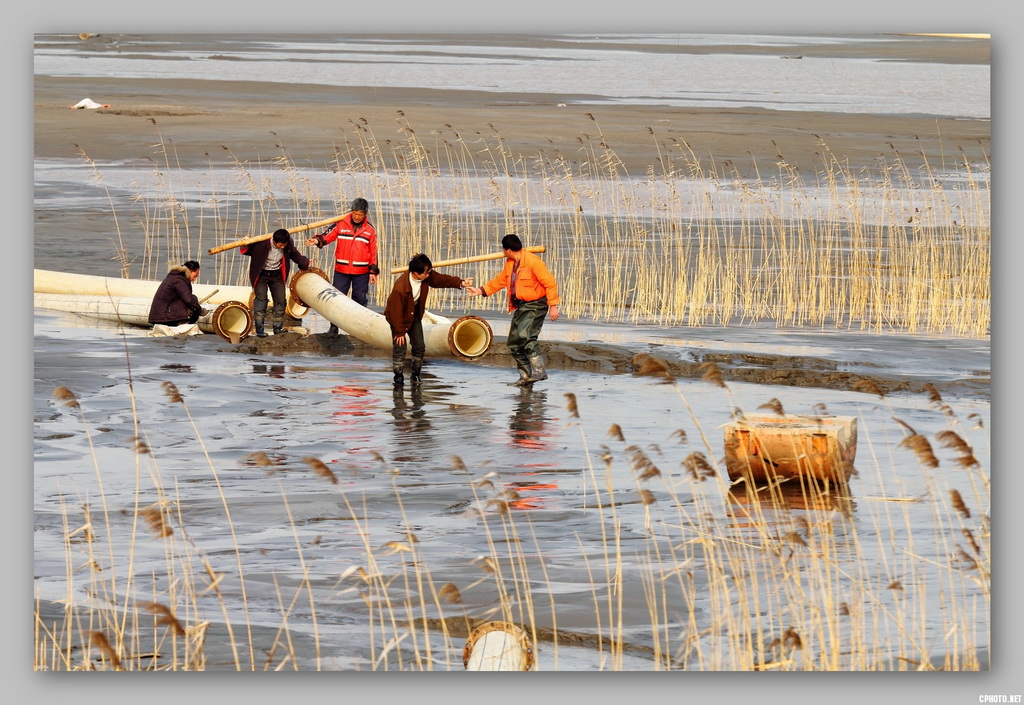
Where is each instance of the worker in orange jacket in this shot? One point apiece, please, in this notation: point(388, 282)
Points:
point(532, 294)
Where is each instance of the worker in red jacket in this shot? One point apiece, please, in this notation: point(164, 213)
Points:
point(532, 294)
point(355, 255)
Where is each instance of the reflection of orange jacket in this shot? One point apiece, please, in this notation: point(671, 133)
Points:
point(533, 280)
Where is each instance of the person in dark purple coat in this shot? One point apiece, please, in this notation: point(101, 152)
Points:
point(174, 303)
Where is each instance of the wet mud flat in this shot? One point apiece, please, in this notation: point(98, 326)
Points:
point(609, 359)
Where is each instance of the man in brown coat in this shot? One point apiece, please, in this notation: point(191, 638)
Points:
point(404, 312)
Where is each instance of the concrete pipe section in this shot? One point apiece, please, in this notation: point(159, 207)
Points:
point(497, 646)
point(466, 338)
point(231, 320)
point(292, 307)
point(51, 282)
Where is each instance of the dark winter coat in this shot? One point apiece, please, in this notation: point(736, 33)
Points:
point(174, 301)
point(401, 310)
point(259, 251)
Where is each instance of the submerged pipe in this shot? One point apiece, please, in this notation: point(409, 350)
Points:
point(231, 320)
point(466, 338)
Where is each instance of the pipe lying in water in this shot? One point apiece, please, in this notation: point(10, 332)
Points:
point(231, 320)
point(466, 338)
point(51, 282)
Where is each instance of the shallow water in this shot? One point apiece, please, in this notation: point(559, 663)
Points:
point(649, 69)
point(394, 458)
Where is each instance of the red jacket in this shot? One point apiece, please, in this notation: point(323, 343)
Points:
point(401, 311)
point(533, 280)
point(356, 251)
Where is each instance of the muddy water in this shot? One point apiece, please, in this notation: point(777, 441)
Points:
point(448, 470)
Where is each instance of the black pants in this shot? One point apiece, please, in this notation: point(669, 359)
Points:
point(360, 284)
point(269, 280)
point(415, 337)
point(525, 329)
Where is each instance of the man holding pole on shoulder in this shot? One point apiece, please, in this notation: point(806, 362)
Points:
point(355, 255)
point(268, 269)
point(532, 294)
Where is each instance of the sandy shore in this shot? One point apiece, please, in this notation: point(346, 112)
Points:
point(252, 119)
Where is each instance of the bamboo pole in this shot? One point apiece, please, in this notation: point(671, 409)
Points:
point(467, 260)
point(208, 296)
point(266, 236)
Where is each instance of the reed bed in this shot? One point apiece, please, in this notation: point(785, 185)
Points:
point(683, 571)
point(691, 242)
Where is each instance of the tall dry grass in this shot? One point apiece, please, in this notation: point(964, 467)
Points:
point(690, 242)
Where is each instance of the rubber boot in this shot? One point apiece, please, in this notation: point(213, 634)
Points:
point(278, 328)
point(258, 320)
point(524, 375)
point(537, 366)
point(332, 330)
point(417, 370)
point(399, 377)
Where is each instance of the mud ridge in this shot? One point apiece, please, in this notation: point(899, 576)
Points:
point(783, 370)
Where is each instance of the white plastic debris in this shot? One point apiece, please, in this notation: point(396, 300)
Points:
point(88, 104)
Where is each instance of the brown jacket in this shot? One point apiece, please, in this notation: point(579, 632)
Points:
point(401, 311)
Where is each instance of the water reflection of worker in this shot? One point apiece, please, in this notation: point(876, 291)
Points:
point(354, 402)
point(528, 425)
point(412, 425)
point(530, 430)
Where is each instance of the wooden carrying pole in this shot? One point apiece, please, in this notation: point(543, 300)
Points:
point(260, 238)
point(208, 296)
point(467, 260)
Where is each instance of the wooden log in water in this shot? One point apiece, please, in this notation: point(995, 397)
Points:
point(770, 448)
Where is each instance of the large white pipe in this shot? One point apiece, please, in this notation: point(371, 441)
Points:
point(231, 320)
point(51, 282)
point(466, 338)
